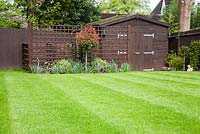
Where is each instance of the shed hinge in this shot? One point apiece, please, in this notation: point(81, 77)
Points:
point(149, 35)
point(152, 69)
point(152, 52)
point(121, 35)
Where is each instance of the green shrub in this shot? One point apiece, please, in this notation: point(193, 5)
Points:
point(125, 67)
point(100, 64)
point(54, 69)
point(94, 68)
point(194, 54)
point(111, 67)
point(76, 67)
point(175, 61)
point(97, 66)
point(36, 69)
point(63, 66)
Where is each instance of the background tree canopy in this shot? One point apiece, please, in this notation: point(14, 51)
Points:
point(10, 16)
point(125, 6)
point(60, 11)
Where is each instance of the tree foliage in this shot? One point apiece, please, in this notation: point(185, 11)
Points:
point(125, 6)
point(195, 19)
point(170, 15)
point(10, 16)
point(194, 53)
point(60, 11)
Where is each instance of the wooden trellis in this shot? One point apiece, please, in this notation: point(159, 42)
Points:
point(50, 43)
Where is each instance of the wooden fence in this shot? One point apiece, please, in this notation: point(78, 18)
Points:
point(50, 43)
point(11, 41)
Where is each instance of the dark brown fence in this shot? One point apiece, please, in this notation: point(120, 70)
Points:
point(183, 39)
point(50, 43)
point(11, 47)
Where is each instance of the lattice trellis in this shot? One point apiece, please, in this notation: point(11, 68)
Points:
point(50, 43)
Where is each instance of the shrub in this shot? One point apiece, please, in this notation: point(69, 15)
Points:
point(175, 61)
point(76, 67)
point(111, 67)
point(36, 69)
point(194, 54)
point(63, 66)
point(94, 68)
point(100, 64)
point(54, 69)
point(125, 67)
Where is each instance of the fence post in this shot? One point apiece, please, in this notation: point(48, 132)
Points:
point(30, 37)
point(129, 44)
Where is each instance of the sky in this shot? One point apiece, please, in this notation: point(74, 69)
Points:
point(153, 3)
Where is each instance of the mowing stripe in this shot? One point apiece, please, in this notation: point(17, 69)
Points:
point(45, 109)
point(155, 95)
point(133, 111)
point(4, 110)
point(187, 74)
point(172, 78)
point(176, 86)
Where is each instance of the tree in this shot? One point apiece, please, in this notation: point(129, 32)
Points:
point(184, 11)
point(125, 6)
point(87, 39)
point(10, 16)
point(60, 11)
point(170, 16)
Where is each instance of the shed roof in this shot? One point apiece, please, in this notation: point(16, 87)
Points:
point(122, 18)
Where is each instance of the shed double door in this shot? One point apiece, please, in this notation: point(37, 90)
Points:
point(142, 51)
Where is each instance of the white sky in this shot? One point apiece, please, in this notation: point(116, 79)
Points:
point(153, 3)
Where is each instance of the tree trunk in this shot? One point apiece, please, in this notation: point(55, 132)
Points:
point(184, 9)
point(86, 58)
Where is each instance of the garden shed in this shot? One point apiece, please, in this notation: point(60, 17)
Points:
point(136, 39)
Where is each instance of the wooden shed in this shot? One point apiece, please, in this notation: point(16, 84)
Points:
point(136, 39)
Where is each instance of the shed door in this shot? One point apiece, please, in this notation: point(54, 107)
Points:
point(136, 56)
point(148, 52)
point(142, 54)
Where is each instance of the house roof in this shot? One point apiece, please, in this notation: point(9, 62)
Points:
point(123, 18)
point(158, 9)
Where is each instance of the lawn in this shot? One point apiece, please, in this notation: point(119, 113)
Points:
point(120, 103)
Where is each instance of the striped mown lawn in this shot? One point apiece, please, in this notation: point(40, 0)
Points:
point(120, 103)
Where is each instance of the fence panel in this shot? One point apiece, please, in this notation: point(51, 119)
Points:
point(11, 47)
